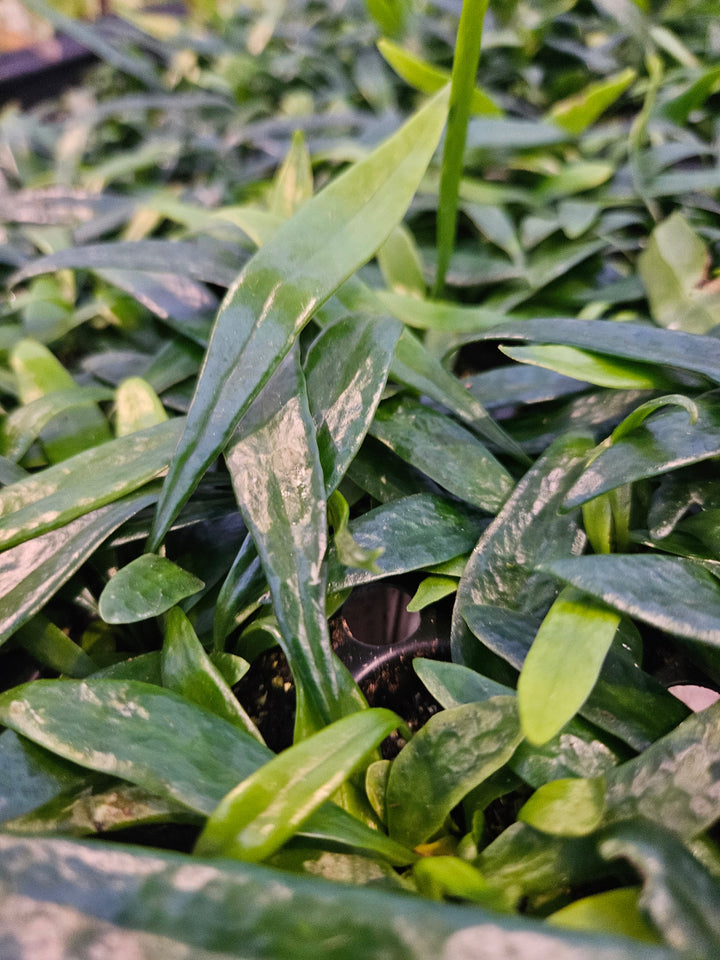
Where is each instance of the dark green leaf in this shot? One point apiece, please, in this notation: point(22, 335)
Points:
point(445, 451)
point(346, 369)
point(679, 893)
point(665, 441)
point(282, 916)
point(415, 532)
point(676, 595)
point(278, 481)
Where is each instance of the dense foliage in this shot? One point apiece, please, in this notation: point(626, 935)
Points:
point(298, 300)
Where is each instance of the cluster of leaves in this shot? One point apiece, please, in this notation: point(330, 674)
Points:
point(264, 343)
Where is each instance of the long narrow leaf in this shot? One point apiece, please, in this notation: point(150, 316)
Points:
point(283, 285)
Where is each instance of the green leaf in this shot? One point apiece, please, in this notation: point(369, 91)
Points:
point(664, 442)
point(131, 730)
point(143, 900)
point(430, 591)
point(595, 368)
point(462, 85)
point(148, 586)
point(679, 894)
point(265, 810)
point(47, 644)
point(633, 341)
point(576, 113)
point(346, 370)
point(674, 272)
point(137, 407)
point(427, 78)
point(242, 588)
point(348, 551)
point(612, 911)
point(31, 776)
point(500, 593)
point(674, 782)
point(445, 451)
point(401, 264)
point(293, 183)
point(462, 747)
point(32, 572)
point(53, 497)
point(75, 427)
point(25, 424)
point(188, 670)
point(415, 532)
point(284, 283)
point(563, 663)
point(278, 481)
point(673, 594)
point(439, 314)
point(567, 808)
point(438, 877)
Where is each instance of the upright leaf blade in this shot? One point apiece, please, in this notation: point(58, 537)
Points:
point(285, 282)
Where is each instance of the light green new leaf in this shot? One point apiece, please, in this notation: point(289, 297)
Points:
point(563, 663)
point(188, 670)
point(428, 79)
point(594, 368)
point(58, 494)
point(571, 807)
point(265, 810)
point(40, 374)
point(148, 586)
point(674, 272)
point(137, 407)
point(347, 549)
point(464, 71)
point(612, 911)
point(454, 752)
point(576, 113)
point(47, 644)
point(286, 281)
point(293, 183)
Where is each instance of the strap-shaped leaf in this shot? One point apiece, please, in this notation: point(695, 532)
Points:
point(278, 291)
point(265, 810)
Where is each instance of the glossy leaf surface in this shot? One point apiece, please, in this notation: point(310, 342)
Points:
point(188, 670)
point(278, 481)
point(266, 809)
point(443, 450)
point(89, 480)
point(414, 532)
point(32, 572)
point(301, 916)
point(676, 595)
point(285, 282)
point(346, 370)
point(463, 747)
point(146, 587)
point(666, 441)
